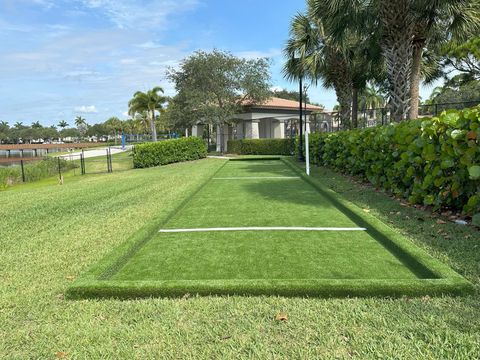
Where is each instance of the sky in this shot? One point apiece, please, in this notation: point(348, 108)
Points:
point(63, 58)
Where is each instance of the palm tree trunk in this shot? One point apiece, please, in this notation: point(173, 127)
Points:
point(153, 128)
point(354, 107)
point(344, 96)
point(397, 47)
point(415, 78)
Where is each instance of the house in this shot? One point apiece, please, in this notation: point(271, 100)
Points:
point(274, 119)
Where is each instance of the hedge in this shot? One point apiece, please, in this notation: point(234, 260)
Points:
point(434, 161)
point(261, 146)
point(169, 151)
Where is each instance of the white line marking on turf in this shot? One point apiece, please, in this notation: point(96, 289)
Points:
point(254, 228)
point(256, 177)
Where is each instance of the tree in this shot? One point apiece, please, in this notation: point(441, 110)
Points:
point(148, 102)
point(464, 57)
point(81, 125)
point(289, 95)
point(80, 121)
point(344, 60)
point(36, 125)
point(114, 125)
point(465, 94)
point(371, 98)
point(311, 55)
point(62, 124)
point(438, 21)
point(213, 87)
point(4, 131)
point(404, 28)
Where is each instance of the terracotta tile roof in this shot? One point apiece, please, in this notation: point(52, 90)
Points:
point(277, 103)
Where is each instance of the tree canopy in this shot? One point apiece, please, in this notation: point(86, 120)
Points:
point(213, 86)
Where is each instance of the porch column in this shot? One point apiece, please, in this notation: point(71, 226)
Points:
point(255, 130)
point(279, 129)
point(219, 139)
point(197, 130)
point(251, 129)
point(226, 136)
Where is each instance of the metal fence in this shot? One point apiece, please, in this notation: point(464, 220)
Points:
point(108, 160)
point(15, 170)
point(330, 122)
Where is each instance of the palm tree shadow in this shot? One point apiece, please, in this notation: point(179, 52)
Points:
point(304, 191)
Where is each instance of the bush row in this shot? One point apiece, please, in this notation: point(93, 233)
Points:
point(434, 161)
point(34, 171)
point(261, 146)
point(169, 151)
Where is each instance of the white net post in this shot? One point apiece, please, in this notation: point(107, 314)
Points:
point(307, 152)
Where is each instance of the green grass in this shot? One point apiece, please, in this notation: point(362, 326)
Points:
point(51, 234)
point(334, 263)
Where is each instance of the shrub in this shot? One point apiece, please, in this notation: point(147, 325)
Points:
point(434, 161)
point(169, 151)
point(261, 146)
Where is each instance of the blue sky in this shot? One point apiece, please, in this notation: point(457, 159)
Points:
point(63, 58)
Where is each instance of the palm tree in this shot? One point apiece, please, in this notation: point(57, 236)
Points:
point(344, 61)
point(371, 98)
point(439, 21)
point(114, 124)
point(79, 121)
point(62, 124)
point(149, 102)
point(311, 55)
point(18, 125)
point(36, 125)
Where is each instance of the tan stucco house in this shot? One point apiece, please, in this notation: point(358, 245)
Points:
point(276, 118)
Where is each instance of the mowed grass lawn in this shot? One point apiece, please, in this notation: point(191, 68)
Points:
point(50, 235)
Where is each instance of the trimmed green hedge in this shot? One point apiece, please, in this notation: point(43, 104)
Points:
point(261, 146)
point(434, 161)
point(168, 152)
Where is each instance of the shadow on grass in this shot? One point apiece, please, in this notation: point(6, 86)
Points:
point(292, 193)
point(454, 244)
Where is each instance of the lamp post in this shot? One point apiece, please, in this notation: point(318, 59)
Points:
point(300, 142)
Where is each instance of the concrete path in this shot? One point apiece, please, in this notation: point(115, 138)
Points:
point(95, 152)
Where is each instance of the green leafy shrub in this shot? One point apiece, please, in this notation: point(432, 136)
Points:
point(434, 161)
point(34, 171)
point(169, 151)
point(261, 146)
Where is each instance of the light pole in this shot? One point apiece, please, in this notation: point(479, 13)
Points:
point(300, 142)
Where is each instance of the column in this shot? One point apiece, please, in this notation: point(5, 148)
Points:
point(255, 130)
point(219, 139)
point(279, 129)
point(197, 130)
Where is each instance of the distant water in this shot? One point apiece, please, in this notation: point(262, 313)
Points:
point(26, 153)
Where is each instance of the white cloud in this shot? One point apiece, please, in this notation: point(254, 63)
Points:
point(90, 109)
point(149, 45)
point(140, 14)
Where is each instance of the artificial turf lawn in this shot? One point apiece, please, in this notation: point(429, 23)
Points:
point(267, 193)
point(51, 234)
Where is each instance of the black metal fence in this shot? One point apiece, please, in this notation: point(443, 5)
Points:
point(95, 161)
point(16, 170)
point(330, 122)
